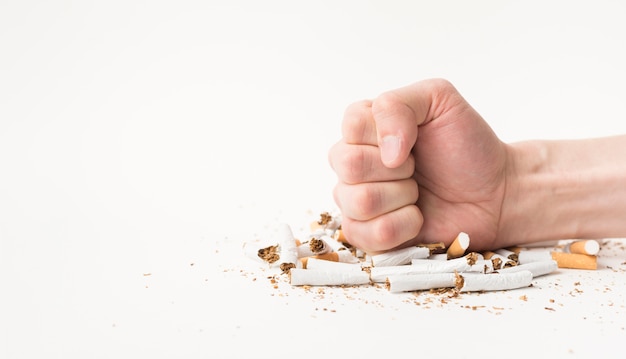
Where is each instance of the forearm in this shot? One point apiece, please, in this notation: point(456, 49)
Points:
point(565, 190)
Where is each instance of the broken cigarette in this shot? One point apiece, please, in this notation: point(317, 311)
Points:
point(313, 247)
point(458, 247)
point(299, 276)
point(538, 268)
point(482, 266)
point(316, 263)
point(418, 266)
point(328, 221)
point(288, 255)
point(399, 256)
point(269, 254)
point(421, 281)
point(563, 260)
point(495, 281)
point(343, 256)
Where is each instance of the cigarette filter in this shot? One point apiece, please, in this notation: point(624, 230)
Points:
point(299, 276)
point(422, 281)
point(399, 256)
point(458, 247)
point(587, 246)
point(575, 260)
point(340, 236)
point(341, 256)
point(563, 260)
point(495, 281)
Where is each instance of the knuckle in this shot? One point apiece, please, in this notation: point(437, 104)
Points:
point(366, 201)
point(386, 104)
point(351, 165)
point(385, 231)
point(356, 121)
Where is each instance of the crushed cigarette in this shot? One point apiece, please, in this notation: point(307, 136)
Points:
point(400, 256)
point(538, 268)
point(420, 281)
point(288, 255)
point(325, 258)
point(300, 276)
point(496, 281)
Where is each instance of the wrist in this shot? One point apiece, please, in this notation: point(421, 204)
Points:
point(564, 190)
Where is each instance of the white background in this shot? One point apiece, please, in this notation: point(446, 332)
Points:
point(147, 137)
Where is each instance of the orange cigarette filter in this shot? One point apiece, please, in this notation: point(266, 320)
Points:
point(330, 256)
point(458, 247)
point(340, 236)
point(587, 246)
point(575, 260)
point(315, 226)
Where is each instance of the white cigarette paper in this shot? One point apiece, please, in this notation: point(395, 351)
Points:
point(536, 268)
point(299, 276)
point(400, 256)
point(496, 281)
point(530, 256)
point(316, 263)
point(288, 248)
point(423, 281)
point(482, 266)
point(449, 266)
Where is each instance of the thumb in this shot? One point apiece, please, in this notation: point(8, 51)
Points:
point(397, 115)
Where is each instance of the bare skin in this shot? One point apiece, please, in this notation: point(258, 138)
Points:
point(418, 164)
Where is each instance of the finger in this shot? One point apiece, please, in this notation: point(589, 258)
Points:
point(358, 125)
point(361, 163)
point(398, 113)
point(385, 232)
point(369, 200)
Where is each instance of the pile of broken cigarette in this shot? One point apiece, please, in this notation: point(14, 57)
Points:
point(325, 258)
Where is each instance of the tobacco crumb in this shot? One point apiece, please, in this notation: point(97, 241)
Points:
point(550, 309)
point(472, 258)
point(497, 263)
point(524, 298)
point(269, 254)
point(286, 267)
point(317, 245)
point(325, 218)
point(459, 281)
point(509, 264)
point(435, 248)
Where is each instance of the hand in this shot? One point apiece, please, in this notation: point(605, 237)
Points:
point(418, 164)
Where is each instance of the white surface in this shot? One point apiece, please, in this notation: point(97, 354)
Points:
point(153, 137)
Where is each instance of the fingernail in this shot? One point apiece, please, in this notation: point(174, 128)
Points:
point(389, 148)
